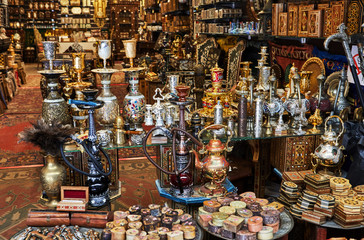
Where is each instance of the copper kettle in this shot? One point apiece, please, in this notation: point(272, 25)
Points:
point(214, 166)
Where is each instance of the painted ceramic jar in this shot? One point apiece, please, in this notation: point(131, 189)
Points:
point(134, 102)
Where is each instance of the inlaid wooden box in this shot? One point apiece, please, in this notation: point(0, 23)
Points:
point(315, 23)
point(337, 15)
point(327, 28)
point(73, 199)
point(292, 153)
point(276, 9)
point(292, 19)
point(282, 24)
point(303, 13)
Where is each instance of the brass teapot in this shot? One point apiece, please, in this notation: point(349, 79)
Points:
point(329, 154)
point(214, 166)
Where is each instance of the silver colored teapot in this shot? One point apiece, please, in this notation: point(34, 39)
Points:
point(329, 153)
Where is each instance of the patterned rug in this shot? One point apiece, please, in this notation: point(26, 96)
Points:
point(23, 109)
point(20, 190)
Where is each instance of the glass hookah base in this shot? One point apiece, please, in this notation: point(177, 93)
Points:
point(176, 192)
point(212, 190)
point(100, 199)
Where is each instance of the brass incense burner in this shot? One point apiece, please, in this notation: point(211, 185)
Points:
point(214, 166)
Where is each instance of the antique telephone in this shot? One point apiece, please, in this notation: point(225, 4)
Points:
point(97, 177)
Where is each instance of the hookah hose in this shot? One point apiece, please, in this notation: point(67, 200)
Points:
point(174, 132)
point(96, 163)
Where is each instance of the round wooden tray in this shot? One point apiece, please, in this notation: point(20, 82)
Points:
point(286, 225)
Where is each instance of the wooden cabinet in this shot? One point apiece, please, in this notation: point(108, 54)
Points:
point(123, 23)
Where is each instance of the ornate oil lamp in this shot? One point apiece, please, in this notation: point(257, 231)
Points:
point(214, 166)
point(329, 154)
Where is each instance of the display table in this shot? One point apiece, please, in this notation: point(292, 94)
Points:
point(195, 199)
point(320, 231)
point(286, 225)
point(63, 46)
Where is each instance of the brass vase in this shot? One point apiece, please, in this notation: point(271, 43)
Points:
point(53, 176)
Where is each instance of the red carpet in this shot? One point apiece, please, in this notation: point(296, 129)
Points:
point(20, 190)
point(20, 187)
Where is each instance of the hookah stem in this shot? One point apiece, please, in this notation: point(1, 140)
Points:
point(182, 125)
point(175, 163)
point(320, 93)
point(337, 96)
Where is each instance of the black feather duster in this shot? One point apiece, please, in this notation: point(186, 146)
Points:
point(48, 137)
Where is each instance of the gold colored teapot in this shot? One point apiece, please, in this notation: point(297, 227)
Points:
point(214, 166)
point(329, 154)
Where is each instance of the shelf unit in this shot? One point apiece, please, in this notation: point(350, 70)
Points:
point(175, 16)
point(123, 23)
point(77, 16)
point(4, 17)
point(213, 17)
point(41, 14)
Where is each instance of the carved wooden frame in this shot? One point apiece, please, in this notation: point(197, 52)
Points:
point(354, 16)
point(202, 50)
point(234, 58)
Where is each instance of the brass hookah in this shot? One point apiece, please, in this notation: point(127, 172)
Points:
point(181, 177)
point(79, 116)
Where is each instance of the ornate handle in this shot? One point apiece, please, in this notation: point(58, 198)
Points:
point(155, 96)
point(342, 126)
point(216, 126)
